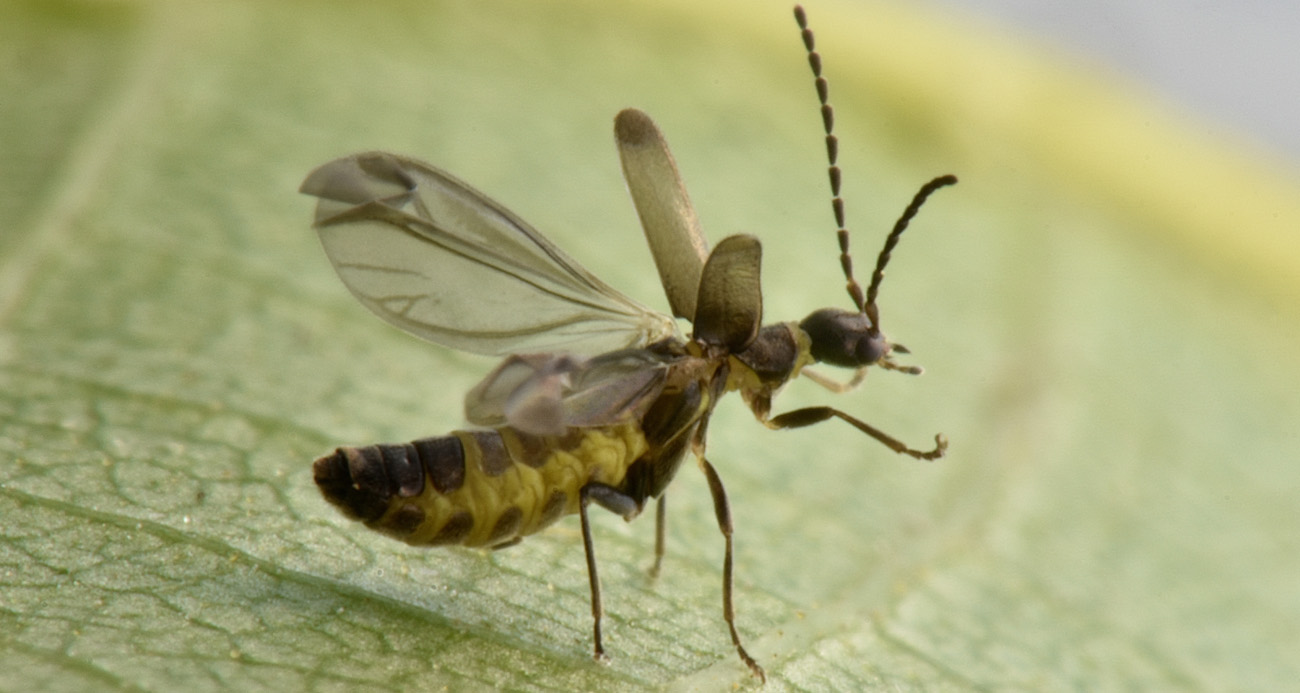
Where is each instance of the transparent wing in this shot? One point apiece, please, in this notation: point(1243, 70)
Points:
point(438, 259)
point(545, 394)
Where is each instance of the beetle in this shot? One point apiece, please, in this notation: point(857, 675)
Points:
point(598, 398)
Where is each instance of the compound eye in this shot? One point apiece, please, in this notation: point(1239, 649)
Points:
point(871, 348)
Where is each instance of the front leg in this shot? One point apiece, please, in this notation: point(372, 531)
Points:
point(812, 415)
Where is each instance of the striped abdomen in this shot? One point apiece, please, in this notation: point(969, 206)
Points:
point(475, 488)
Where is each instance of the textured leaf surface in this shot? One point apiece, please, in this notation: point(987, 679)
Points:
point(1104, 306)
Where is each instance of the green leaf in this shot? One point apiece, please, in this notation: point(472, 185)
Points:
point(1105, 308)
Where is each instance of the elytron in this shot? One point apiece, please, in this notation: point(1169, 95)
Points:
point(598, 398)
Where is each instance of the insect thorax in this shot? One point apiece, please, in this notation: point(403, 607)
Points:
point(775, 356)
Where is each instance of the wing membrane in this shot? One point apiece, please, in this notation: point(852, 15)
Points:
point(545, 394)
point(438, 259)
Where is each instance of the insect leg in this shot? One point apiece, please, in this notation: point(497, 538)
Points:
point(833, 385)
point(812, 415)
point(619, 503)
point(723, 510)
point(660, 521)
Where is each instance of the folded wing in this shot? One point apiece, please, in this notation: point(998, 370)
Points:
point(546, 394)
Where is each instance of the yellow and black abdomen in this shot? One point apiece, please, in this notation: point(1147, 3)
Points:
point(475, 488)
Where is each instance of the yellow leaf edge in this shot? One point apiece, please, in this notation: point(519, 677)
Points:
point(1214, 195)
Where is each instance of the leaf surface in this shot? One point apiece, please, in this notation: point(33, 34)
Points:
point(1104, 307)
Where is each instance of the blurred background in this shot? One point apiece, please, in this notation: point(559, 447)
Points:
point(1233, 63)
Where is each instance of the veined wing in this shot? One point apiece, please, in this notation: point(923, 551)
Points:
point(438, 259)
point(545, 394)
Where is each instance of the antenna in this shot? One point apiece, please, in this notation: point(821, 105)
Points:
point(866, 305)
point(892, 240)
point(832, 156)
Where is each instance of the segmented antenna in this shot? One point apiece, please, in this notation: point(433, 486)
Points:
point(832, 156)
point(868, 304)
point(892, 240)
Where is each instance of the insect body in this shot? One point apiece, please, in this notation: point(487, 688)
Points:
point(599, 398)
point(491, 487)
